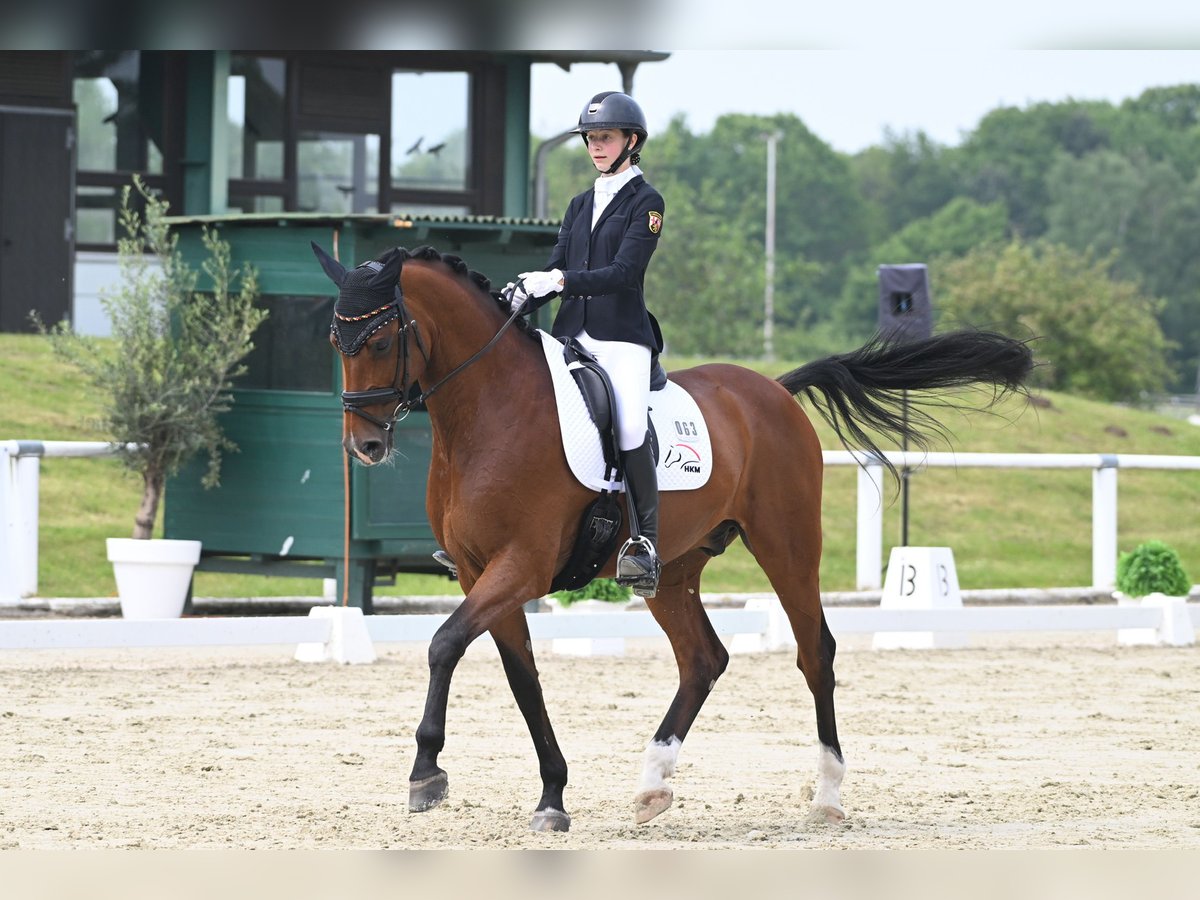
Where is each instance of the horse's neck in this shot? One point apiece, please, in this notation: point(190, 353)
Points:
point(460, 324)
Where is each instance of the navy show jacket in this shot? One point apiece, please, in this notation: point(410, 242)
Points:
point(604, 268)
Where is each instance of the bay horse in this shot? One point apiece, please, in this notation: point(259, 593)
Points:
point(504, 504)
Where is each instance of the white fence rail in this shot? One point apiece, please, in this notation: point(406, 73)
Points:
point(20, 473)
point(20, 467)
point(1104, 466)
point(335, 631)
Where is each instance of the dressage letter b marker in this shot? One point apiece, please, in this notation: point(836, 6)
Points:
point(920, 578)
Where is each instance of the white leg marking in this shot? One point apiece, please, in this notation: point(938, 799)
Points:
point(658, 763)
point(830, 771)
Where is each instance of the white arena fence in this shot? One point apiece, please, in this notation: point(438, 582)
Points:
point(344, 635)
point(1104, 466)
point(20, 474)
point(20, 468)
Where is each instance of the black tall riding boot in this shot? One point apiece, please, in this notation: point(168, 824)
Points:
point(638, 564)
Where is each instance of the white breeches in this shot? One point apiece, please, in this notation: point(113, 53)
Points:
point(628, 368)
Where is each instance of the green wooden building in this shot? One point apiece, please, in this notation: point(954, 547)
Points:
point(280, 506)
point(276, 149)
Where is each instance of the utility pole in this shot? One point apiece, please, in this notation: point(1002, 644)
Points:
point(769, 289)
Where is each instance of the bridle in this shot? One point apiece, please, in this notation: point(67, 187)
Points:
point(354, 401)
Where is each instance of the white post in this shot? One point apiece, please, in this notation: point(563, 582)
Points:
point(869, 543)
point(9, 524)
point(28, 470)
point(1104, 524)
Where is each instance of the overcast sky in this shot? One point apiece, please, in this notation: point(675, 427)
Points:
point(850, 72)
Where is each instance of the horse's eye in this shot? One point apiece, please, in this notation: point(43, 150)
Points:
point(382, 346)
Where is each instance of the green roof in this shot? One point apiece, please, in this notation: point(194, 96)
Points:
point(396, 220)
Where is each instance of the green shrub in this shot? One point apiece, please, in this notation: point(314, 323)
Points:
point(605, 589)
point(1153, 567)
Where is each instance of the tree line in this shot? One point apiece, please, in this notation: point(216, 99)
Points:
point(1074, 223)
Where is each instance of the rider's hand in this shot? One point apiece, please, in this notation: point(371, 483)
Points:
point(516, 296)
point(542, 284)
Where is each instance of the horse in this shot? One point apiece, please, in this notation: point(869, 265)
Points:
point(503, 503)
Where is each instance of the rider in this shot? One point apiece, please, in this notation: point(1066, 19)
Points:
point(599, 265)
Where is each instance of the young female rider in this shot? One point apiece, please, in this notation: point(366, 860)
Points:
point(599, 265)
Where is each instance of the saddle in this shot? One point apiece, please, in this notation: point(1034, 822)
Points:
point(597, 537)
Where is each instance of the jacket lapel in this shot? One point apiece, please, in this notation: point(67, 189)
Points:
point(582, 226)
point(622, 197)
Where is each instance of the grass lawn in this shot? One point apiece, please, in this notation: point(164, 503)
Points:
point(1008, 528)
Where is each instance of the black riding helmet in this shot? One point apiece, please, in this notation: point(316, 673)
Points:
point(612, 109)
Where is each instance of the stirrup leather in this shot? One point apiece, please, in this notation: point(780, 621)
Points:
point(639, 567)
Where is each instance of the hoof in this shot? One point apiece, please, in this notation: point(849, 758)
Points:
point(428, 792)
point(550, 820)
point(826, 815)
point(649, 804)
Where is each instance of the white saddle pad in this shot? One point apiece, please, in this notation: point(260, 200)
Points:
point(684, 449)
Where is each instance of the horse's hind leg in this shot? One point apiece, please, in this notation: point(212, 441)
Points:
point(701, 659)
point(791, 558)
point(516, 653)
point(831, 766)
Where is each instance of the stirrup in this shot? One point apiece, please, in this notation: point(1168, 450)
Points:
point(443, 557)
point(642, 567)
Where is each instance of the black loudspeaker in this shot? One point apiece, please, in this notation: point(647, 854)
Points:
point(905, 305)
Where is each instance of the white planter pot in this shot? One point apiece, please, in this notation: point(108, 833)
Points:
point(586, 646)
point(1176, 629)
point(152, 576)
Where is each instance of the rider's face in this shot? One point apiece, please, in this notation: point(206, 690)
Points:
point(605, 146)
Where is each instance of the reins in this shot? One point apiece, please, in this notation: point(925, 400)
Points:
point(353, 401)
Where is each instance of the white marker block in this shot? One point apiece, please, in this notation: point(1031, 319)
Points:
point(1174, 630)
point(349, 641)
point(778, 635)
point(920, 578)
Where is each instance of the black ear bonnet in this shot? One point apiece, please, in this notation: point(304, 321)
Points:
point(368, 298)
point(362, 309)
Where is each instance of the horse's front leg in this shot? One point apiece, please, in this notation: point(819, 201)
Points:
point(701, 659)
point(516, 652)
point(428, 784)
point(490, 600)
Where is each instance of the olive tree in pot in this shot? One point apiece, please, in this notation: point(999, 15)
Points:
point(163, 379)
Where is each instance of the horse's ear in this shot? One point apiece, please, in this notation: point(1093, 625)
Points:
point(334, 269)
point(390, 273)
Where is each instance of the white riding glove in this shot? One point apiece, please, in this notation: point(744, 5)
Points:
point(542, 284)
point(516, 296)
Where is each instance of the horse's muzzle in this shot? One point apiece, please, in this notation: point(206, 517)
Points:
point(368, 451)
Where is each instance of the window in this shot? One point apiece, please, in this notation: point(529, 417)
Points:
point(430, 137)
point(257, 110)
point(337, 172)
point(256, 104)
point(120, 132)
point(113, 127)
point(291, 348)
point(344, 134)
point(95, 214)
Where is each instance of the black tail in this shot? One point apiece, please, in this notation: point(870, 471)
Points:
point(865, 389)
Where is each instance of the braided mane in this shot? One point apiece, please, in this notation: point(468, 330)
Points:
point(456, 264)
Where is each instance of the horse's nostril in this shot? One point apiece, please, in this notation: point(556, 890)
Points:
point(373, 450)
